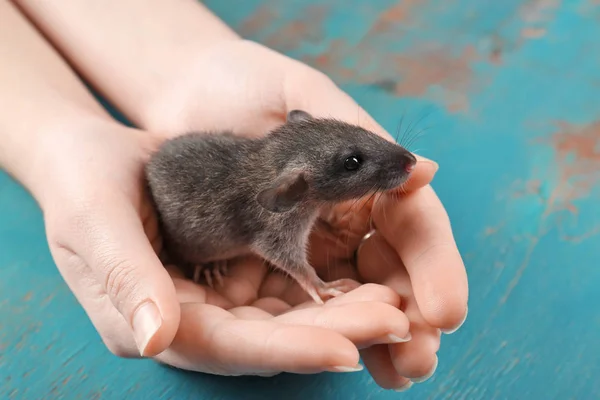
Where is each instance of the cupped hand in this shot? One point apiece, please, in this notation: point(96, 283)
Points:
point(103, 236)
point(248, 89)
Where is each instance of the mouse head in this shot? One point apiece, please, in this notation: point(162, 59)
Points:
point(327, 160)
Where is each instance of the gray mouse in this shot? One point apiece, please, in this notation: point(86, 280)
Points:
point(219, 196)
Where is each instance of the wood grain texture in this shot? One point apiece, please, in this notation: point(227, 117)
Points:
point(510, 91)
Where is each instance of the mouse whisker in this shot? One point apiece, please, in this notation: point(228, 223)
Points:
point(414, 124)
point(417, 136)
point(398, 129)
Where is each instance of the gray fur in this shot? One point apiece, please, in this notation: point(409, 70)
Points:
point(220, 196)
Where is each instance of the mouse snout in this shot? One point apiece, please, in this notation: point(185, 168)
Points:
point(408, 161)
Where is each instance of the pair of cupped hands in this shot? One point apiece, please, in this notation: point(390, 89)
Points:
point(103, 235)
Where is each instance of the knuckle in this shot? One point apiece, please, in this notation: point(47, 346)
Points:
point(119, 276)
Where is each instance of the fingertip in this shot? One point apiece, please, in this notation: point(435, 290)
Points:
point(456, 327)
point(422, 175)
point(155, 327)
point(155, 321)
point(368, 292)
point(447, 313)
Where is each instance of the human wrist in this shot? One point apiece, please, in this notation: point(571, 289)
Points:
point(39, 156)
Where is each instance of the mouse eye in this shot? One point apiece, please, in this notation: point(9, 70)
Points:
point(352, 163)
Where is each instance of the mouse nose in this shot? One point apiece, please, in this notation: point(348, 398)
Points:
point(409, 162)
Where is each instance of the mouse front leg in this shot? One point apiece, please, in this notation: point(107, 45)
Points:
point(214, 271)
point(318, 289)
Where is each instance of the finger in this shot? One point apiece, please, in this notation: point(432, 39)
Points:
point(418, 229)
point(248, 312)
point(243, 280)
point(108, 322)
point(191, 292)
point(364, 323)
point(212, 340)
point(280, 285)
point(272, 305)
point(112, 241)
point(377, 360)
point(425, 172)
point(368, 292)
point(415, 359)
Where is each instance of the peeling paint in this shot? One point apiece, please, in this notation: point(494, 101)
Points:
point(427, 70)
point(258, 21)
point(577, 157)
point(531, 187)
point(309, 27)
point(396, 14)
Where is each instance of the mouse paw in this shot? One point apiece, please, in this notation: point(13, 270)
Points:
point(215, 271)
point(337, 288)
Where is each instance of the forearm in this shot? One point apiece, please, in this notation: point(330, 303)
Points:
point(132, 52)
point(39, 94)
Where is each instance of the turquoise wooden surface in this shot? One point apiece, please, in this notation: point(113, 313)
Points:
point(512, 90)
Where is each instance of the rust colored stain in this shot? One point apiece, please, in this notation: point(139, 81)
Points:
point(492, 230)
point(330, 61)
point(437, 67)
point(412, 72)
point(396, 14)
point(536, 14)
point(578, 160)
point(27, 296)
point(532, 187)
point(258, 21)
point(308, 28)
point(535, 11)
point(533, 33)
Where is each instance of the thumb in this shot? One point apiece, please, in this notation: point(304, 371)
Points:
point(116, 248)
point(318, 95)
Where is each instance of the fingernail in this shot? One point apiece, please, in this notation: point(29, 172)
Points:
point(404, 387)
point(359, 367)
point(397, 339)
point(146, 322)
point(429, 375)
point(452, 330)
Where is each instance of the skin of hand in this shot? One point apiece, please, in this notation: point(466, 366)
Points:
point(85, 171)
point(412, 258)
point(412, 253)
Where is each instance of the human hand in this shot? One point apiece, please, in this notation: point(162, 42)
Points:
point(86, 174)
point(251, 89)
point(103, 236)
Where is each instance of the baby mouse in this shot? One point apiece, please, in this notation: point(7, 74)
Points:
point(220, 196)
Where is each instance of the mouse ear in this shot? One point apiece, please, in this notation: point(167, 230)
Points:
point(284, 193)
point(298, 115)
